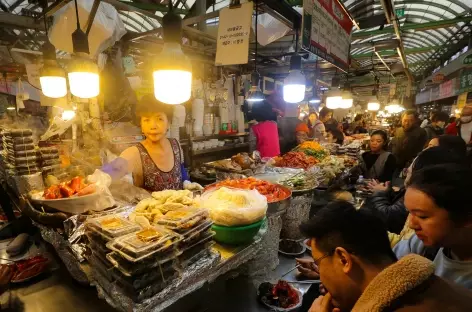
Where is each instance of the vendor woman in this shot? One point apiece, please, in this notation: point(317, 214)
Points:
point(377, 163)
point(157, 162)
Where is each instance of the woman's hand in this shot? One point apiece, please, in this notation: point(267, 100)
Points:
point(323, 304)
point(308, 268)
point(375, 185)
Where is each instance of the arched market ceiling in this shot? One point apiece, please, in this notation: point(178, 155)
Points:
point(432, 31)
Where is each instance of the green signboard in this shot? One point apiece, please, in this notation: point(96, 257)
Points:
point(465, 83)
point(467, 60)
point(400, 12)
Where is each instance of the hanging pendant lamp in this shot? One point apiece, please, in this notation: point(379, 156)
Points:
point(51, 76)
point(84, 80)
point(294, 84)
point(255, 94)
point(172, 69)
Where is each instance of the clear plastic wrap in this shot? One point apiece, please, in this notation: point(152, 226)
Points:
point(183, 219)
point(233, 207)
point(111, 226)
point(155, 242)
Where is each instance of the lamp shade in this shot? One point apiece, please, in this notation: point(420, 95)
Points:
point(333, 99)
point(294, 84)
point(53, 80)
point(84, 80)
point(254, 94)
point(347, 100)
point(373, 106)
point(172, 75)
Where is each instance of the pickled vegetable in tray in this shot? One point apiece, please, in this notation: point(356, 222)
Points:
point(140, 245)
point(112, 225)
point(183, 219)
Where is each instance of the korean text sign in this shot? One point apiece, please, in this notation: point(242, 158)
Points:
point(327, 31)
point(233, 35)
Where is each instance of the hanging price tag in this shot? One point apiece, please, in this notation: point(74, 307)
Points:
point(233, 35)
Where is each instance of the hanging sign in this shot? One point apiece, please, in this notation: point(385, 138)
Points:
point(326, 31)
point(467, 60)
point(438, 78)
point(447, 89)
point(233, 35)
point(461, 100)
point(32, 70)
point(466, 81)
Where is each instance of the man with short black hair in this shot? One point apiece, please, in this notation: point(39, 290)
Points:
point(409, 140)
point(436, 127)
point(360, 272)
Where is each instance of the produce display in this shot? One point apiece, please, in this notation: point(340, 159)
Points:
point(272, 192)
point(303, 181)
point(29, 268)
point(297, 160)
point(280, 295)
point(312, 148)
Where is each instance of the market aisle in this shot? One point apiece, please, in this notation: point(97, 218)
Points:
point(57, 292)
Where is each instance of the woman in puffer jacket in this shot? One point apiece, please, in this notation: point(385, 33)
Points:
point(388, 204)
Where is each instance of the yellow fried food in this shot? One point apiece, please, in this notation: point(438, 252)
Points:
point(171, 206)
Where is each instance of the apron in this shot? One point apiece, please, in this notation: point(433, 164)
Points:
point(377, 168)
point(154, 179)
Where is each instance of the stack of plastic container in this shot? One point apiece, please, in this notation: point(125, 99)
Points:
point(99, 232)
point(194, 225)
point(143, 261)
point(20, 156)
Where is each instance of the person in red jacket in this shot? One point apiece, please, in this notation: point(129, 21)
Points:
point(463, 127)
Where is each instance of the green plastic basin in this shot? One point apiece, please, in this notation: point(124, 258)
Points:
point(236, 235)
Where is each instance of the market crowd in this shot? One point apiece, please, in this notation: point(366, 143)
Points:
point(409, 246)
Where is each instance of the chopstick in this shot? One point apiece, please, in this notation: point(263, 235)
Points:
point(305, 282)
point(290, 271)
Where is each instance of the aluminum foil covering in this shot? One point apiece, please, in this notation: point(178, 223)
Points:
point(192, 278)
point(267, 258)
point(26, 183)
point(64, 250)
point(298, 212)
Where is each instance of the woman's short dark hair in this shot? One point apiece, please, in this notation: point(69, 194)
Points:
point(337, 134)
point(384, 136)
point(439, 116)
point(453, 143)
point(449, 186)
point(437, 155)
point(360, 232)
point(324, 112)
point(263, 112)
point(358, 117)
point(148, 105)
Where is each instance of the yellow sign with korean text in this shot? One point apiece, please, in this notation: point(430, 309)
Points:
point(233, 35)
point(461, 100)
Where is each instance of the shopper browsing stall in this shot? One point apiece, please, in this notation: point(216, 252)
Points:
point(441, 216)
point(264, 136)
point(360, 273)
point(409, 140)
point(317, 128)
point(436, 127)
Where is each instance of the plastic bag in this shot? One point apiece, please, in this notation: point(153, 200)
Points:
point(234, 207)
point(107, 27)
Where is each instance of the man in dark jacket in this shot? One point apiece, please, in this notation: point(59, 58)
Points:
point(436, 127)
point(409, 140)
point(361, 274)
